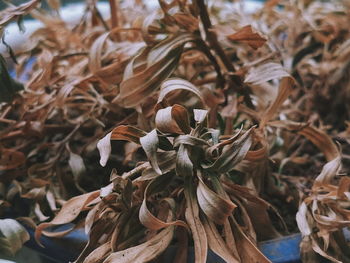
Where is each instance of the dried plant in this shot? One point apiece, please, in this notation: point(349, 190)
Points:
point(207, 113)
point(185, 187)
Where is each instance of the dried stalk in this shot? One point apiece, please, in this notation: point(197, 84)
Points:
point(234, 82)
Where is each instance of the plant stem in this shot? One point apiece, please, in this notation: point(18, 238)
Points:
point(136, 171)
point(114, 16)
point(211, 37)
point(235, 82)
point(204, 48)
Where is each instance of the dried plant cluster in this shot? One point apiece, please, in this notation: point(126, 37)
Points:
point(207, 113)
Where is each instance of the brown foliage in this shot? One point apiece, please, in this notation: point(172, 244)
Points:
point(204, 116)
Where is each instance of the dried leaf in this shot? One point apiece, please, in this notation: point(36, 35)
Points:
point(198, 232)
point(166, 164)
point(216, 208)
point(99, 254)
point(248, 36)
point(264, 73)
point(174, 84)
point(149, 143)
point(284, 91)
point(13, 236)
point(105, 149)
point(173, 119)
point(249, 252)
point(14, 12)
point(77, 166)
point(302, 221)
point(328, 172)
point(70, 210)
point(147, 218)
point(127, 133)
point(145, 251)
point(152, 222)
point(233, 153)
point(161, 61)
point(322, 141)
point(216, 243)
point(184, 165)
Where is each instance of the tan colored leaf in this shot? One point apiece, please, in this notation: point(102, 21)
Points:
point(302, 221)
point(184, 165)
point(36, 193)
point(105, 148)
point(95, 63)
point(198, 232)
point(119, 133)
point(13, 236)
point(320, 251)
point(144, 252)
point(229, 238)
point(99, 254)
point(307, 253)
point(200, 115)
point(285, 89)
point(233, 152)
point(70, 210)
point(91, 216)
point(248, 36)
point(249, 252)
point(50, 197)
point(161, 61)
point(329, 171)
point(149, 143)
point(182, 245)
point(166, 164)
point(214, 206)
point(174, 84)
point(265, 72)
point(152, 222)
point(322, 141)
point(216, 243)
point(189, 140)
point(14, 12)
point(173, 119)
point(344, 188)
point(187, 21)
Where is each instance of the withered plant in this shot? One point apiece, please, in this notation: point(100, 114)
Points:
point(209, 115)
